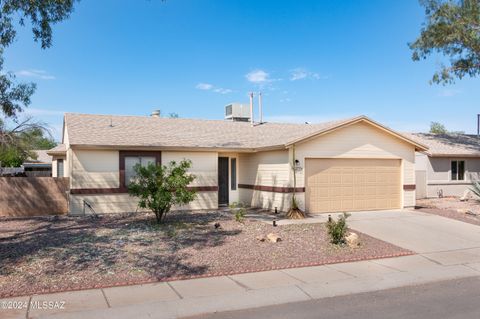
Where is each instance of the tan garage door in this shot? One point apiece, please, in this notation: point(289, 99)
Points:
point(337, 185)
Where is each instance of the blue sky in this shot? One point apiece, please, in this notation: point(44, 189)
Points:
point(313, 61)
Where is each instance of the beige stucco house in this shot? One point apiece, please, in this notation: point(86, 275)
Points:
point(348, 165)
point(450, 165)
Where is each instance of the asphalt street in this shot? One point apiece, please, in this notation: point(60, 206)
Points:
point(454, 299)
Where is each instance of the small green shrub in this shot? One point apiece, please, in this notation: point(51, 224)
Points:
point(239, 210)
point(337, 229)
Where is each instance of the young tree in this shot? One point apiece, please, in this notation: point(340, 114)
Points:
point(159, 187)
point(294, 212)
point(437, 128)
point(452, 28)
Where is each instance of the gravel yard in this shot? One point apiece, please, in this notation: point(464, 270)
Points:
point(452, 207)
point(39, 255)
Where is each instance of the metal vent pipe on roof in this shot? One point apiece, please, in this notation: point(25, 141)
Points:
point(478, 125)
point(260, 107)
point(251, 108)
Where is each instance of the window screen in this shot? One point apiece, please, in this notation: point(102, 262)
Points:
point(131, 161)
point(233, 173)
point(60, 168)
point(461, 170)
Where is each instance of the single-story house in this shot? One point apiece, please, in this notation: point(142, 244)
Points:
point(41, 166)
point(450, 165)
point(347, 165)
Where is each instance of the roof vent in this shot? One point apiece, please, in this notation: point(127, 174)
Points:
point(155, 113)
point(237, 112)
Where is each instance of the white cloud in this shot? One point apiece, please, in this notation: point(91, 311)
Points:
point(449, 92)
point(211, 87)
point(204, 86)
point(258, 76)
point(302, 73)
point(38, 74)
point(222, 91)
point(44, 112)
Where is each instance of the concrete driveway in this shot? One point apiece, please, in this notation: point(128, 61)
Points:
point(444, 240)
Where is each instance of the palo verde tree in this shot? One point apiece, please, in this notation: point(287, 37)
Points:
point(452, 28)
point(159, 187)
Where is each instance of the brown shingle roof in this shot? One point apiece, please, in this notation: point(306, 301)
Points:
point(444, 144)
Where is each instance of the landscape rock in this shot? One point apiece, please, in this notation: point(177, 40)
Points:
point(467, 194)
point(260, 238)
point(463, 210)
point(273, 238)
point(352, 240)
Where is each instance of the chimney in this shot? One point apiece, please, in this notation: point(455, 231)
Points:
point(155, 113)
point(251, 108)
point(260, 107)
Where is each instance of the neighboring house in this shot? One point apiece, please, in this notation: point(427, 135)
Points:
point(39, 167)
point(59, 155)
point(349, 165)
point(450, 165)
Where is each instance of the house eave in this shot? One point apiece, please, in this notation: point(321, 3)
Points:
point(454, 155)
point(175, 148)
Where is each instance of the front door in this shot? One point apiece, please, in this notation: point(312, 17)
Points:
point(222, 181)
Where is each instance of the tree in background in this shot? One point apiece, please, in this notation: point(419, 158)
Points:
point(19, 137)
point(159, 187)
point(437, 128)
point(14, 97)
point(452, 28)
point(17, 142)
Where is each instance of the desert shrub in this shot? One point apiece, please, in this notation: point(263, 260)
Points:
point(337, 230)
point(239, 211)
point(159, 187)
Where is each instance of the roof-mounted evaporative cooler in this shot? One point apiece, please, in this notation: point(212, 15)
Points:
point(237, 112)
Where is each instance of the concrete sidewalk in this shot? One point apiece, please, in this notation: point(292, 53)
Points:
point(197, 296)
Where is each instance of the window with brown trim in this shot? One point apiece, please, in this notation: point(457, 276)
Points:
point(128, 160)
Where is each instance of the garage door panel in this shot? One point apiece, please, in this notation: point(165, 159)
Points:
point(352, 184)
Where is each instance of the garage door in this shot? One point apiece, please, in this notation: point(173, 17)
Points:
point(337, 185)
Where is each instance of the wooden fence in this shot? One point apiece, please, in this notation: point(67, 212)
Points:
point(33, 196)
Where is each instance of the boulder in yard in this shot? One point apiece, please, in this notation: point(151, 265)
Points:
point(463, 211)
point(352, 240)
point(467, 194)
point(273, 238)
